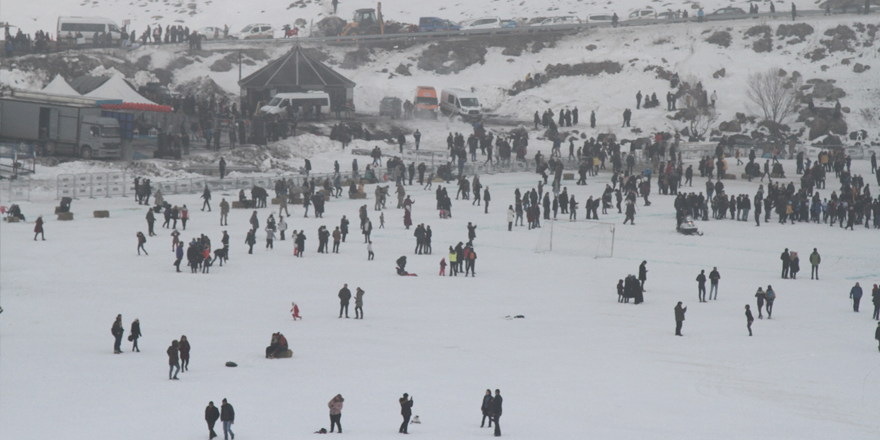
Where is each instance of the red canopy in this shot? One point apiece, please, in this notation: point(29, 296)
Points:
point(138, 107)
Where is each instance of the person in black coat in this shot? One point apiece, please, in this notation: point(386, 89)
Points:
point(173, 359)
point(227, 416)
point(786, 261)
point(405, 411)
point(487, 408)
point(344, 298)
point(117, 331)
point(643, 273)
point(211, 416)
point(877, 334)
point(496, 411)
point(135, 334)
point(701, 286)
point(679, 318)
point(749, 319)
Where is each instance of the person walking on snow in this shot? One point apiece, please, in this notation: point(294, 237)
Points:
point(294, 311)
point(173, 359)
point(749, 319)
point(761, 296)
point(359, 303)
point(38, 228)
point(141, 240)
point(212, 413)
point(117, 331)
point(877, 334)
point(856, 294)
point(486, 408)
point(875, 295)
point(135, 334)
point(770, 295)
point(496, 411)
point(206, 194)
point(227, 416)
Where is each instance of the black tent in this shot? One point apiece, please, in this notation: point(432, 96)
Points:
point(295, 72)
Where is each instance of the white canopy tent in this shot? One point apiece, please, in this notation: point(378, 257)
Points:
point(59, 86)
point(116, 88)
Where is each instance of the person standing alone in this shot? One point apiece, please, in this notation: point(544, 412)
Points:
point(701, 286)
point(679, 318)
point(405, 411)
point(335, 405)
point(749, 319)
point(815, 259)
point(135, 334)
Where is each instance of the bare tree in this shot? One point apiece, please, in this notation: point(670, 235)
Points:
point(695, 107)
point(773, 96)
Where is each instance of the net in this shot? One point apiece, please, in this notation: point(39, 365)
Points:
point(582, 237)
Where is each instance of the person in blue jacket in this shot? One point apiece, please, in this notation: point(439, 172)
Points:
point(179, 255)
point(856, 294)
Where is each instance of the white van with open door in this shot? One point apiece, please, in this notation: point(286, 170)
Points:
point(461, 102)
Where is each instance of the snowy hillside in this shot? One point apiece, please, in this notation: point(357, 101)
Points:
point(237, 14)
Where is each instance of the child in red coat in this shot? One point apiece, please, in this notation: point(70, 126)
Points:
point(295, 311)
point(443, 267)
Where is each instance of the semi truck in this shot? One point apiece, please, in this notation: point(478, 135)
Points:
point(59, 125)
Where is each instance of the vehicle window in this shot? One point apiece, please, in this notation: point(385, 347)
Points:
point(95, 130)
point(481, 22)
point(110, 132)
point(450, 99)
point(113, 28)
point(274, 102)
point(265, 28)
point(646, 13)
point(469, 102)
point(247, 29)
point(426, 100)
point(634, 15)
point(285, 103)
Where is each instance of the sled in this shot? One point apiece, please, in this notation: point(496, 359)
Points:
point(688, 227)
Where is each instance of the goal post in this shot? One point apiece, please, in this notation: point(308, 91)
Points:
point(581, 237)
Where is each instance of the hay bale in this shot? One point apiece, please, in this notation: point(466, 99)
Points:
point(744, 175)
point(361, 188)
point(567, 176)
point(326, 194)
point(438, 180)
point(357, 196)
point(65, 216)
point(238, 205)
point(102, 214)
point(286, 354)
point(729, 177)
point(296, 199)
point(58, 210)
point(12, 219)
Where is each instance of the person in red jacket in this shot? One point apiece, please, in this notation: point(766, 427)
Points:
point(38, 228)
point(294, 311)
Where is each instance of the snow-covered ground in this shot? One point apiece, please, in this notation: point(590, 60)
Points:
point(579, 365)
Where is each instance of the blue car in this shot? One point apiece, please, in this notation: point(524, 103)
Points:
point(434, 24)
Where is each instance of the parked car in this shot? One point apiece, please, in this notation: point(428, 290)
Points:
point(390, 106)
point(434, 24)
point(643, 14)
point(568, 19)
point(256, 32)
point(210, 33)
point(601, 18)
point(728, 11)
point(668, 15)
point(482, 23)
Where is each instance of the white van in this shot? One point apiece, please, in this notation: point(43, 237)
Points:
point(88, 27)
point(461, 102)
point(299, 101)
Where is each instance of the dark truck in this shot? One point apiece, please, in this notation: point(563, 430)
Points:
point(59, 125)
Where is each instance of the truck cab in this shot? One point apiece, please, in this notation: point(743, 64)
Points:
point(99, 139)
point(426, 102)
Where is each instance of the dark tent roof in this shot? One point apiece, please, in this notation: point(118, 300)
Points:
point(86, 84)
point(295, 69)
